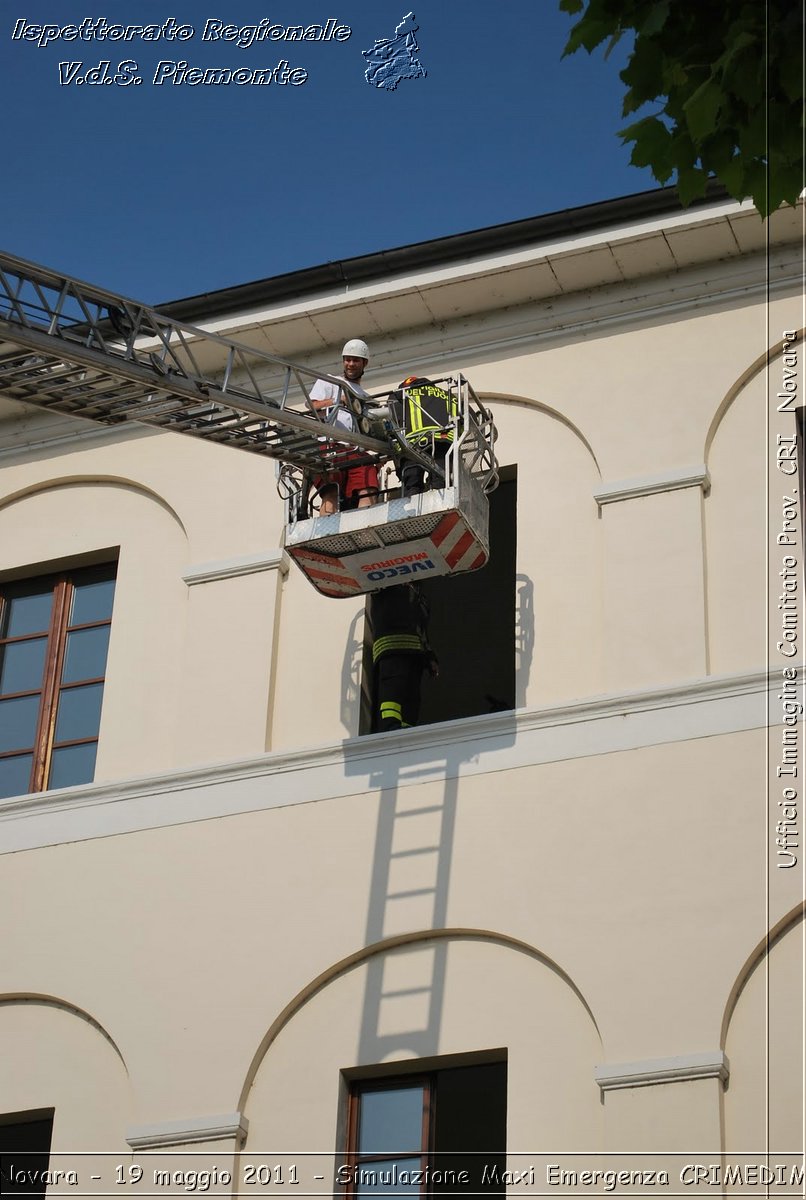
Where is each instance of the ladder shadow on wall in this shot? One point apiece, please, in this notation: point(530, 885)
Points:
point(524, 636)
point(352, 673)
point(410, 889)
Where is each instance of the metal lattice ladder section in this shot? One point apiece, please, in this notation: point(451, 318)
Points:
point(69, 347)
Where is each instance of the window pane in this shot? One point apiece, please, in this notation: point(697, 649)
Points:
point(471, 1114)
point(18, 723)
point(79, 713)
point(92, 602)
point(15, 775)
point(72, 765)
point(22, 665)
point(28, 614)
point(387, 1177)
point(391, 1119)
point(85, 657)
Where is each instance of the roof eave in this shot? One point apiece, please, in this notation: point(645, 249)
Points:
point(386, 264)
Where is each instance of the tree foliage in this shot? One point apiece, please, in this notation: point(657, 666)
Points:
point(728, 77)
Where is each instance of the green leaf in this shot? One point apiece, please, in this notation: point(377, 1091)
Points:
point(656, 19)
point(735, 44)
point(702, 108)
point(753, 138)
point(644, 72)
point(652, 144)
point(611, 45)
point(756, 184)
point(675, 76)
point(691, 184)
point(786, 139)
point(732, 175)
point(790, 74)
point(631, 103)
point(717, 151)
point(785, 183)
point(587, 34)
point(744, 77)
point(722, 104)
point(630, 132)
point(683, 148)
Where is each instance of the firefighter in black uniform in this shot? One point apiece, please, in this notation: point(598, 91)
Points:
point(426, 413)
point(400, 654)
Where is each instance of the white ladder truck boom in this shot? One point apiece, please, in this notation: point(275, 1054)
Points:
point(69, 347)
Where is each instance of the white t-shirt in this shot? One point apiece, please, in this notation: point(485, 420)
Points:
point(322, 390)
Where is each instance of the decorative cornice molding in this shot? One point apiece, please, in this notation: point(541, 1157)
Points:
point(188, 1132)
point(459, 343)
point(274, 560)
point(650, 485)
point(681, 1068)
point(482, 745)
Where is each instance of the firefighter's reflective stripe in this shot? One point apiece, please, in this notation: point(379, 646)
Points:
point(420, 424)
point(432, 433)
point(391, 711)
point(397, 643)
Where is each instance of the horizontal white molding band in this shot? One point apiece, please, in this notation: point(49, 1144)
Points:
point(481, 745)
point(276, 560)
point(681, 1068)
point(527, 324)
point(650, 485)
point(188, 1132)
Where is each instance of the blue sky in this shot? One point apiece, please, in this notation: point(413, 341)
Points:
point(162, 192)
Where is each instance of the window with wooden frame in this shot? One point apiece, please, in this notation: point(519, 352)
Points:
point(54, 635)
point(436, 1134)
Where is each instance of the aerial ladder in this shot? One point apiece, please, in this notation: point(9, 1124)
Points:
point(69, 347)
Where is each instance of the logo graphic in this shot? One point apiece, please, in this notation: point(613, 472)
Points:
point(393, 59)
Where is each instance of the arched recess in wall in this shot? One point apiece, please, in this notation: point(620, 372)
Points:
point(762, 1035)
point(56, 1056)
point(736, 456)
point(538, 406)
point(116, 481)
point(751, 372)
point(559, 553)
point(430, 995)
point(77, 521)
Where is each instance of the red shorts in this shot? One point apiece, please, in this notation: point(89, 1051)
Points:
point(361, 479)
point(355, 479)
point(332, 479)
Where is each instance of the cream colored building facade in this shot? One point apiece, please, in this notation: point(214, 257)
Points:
point(254, 905)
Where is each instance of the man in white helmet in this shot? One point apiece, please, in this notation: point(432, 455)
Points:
point(360, 482)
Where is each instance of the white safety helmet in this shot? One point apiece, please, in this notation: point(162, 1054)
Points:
point(355, 348)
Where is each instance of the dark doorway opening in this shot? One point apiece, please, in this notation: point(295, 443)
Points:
point(472, 629)
point(25, 1153)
